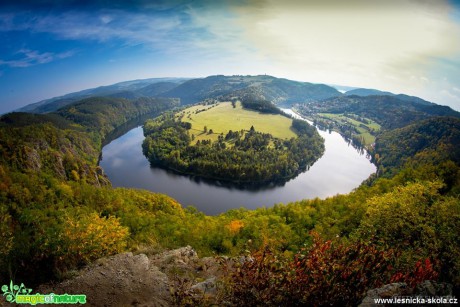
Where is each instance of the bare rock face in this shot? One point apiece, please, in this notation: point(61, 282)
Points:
point(33, 160)
point(140, 280)
point(180, 257)
point(121, 280)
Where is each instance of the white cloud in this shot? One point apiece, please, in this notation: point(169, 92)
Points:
point(357, 43)
point(194, 28)
point(27, 57)
point(353, 40)
point(103, 26)
point(392, 47)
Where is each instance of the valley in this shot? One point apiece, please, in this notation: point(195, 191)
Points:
point(229, 153)
point(55, 198)
point(340, 169)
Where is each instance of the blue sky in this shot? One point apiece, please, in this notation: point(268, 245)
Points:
point(53, 48)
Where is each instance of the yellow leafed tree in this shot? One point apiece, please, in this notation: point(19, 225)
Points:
point(89, 237)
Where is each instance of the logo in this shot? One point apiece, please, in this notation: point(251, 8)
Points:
point(21, 295)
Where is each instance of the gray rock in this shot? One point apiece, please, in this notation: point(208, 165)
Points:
point(121, 280)
point(180, 257)
point(140, 280)
point(208, 286)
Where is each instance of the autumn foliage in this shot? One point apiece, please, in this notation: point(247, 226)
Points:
point(325, 274)
point(423, 270)
point(89, 237)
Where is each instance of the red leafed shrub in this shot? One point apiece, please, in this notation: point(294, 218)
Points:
point(325, 274)
point(339, 274)
point(261, 278)
point(423, 271)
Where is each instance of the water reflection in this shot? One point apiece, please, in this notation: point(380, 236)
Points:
point(341, 169)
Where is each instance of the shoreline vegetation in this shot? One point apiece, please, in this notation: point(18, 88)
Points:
point(59, 213)
point(209, 141)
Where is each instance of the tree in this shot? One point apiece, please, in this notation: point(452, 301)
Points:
point(409, 219)
point(88, 237)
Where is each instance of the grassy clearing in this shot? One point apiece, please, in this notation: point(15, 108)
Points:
point(223, 117)
point(371, 125)
point(368, 138)
point(365, 128)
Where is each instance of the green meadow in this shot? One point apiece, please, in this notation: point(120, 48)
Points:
point(364, 128)
point(224, 117)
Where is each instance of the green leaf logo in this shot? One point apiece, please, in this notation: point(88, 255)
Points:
point(13, 290)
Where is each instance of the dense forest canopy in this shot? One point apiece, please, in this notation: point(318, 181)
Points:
point(240, 156)
point(58, 211)
point(67, 143)
point(435, 140)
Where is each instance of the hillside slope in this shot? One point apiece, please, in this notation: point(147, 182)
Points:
point(118, 90)
point(388, 111)
point(403, 226)
point(264, 87)
point(436, 139)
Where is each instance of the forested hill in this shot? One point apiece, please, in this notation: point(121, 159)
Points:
point(429, 141)
point(67, 143)
point(104, 114)
point(279, 91)
point(266, 87)
point(57, 214)
point(367, 92)
point(400, 130)
point(373, 92)
point(49, 178)
point(134, 88)
point(189, 91)
point(389, 111)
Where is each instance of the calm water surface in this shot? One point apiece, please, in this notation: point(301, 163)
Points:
point(341, 169)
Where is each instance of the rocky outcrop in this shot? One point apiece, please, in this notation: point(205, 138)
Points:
point(180, 278)
point(140, 280)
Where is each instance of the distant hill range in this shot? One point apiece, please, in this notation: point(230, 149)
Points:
point(372, 92)
point(128, 89)
point(279, 91)
point(390, 111)
point(276, 90)
point(367, 92)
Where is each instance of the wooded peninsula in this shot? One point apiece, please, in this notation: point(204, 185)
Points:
point(224, 141)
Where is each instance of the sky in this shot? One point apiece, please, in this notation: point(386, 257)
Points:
point(51, 48)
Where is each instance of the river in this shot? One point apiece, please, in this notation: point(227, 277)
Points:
point(341, 169)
